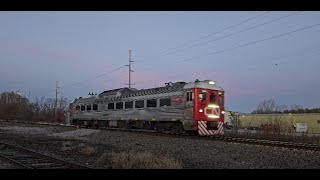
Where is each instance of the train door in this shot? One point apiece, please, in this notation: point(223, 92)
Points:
point(188, 110)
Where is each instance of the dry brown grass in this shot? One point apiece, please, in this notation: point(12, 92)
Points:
point(87, 150)
point(137, 160)
point(82, 148)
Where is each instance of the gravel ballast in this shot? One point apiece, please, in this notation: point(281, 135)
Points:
point(66, 142)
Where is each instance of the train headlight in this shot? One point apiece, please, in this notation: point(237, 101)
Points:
point(201, 110)
point(211, 82)
point(213, 106)
point(222, 112)
point(213, 116)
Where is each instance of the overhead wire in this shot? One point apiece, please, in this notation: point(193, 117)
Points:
point(216, 39)
point(247, 44)
point(232, 34)
point(251, 43)
point(243, 45)
point(189, 43)
point(95, 77)
point(240, 65)
point(208, 35)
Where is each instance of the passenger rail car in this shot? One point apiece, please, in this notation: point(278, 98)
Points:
point(196, 107)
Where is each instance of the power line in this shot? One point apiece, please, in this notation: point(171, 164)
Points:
point(245, 30)
point(244, 45)
point(192, 41)
point(238, 66)
point(109, 72)
point(274, 59)
point(236, 47)
point(251, 43)
point(229, 35)
point(54, 90)
point(273, 37)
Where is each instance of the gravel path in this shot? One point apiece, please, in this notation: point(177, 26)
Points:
point(192, 153)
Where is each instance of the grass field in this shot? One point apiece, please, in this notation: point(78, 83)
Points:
point(285, 121)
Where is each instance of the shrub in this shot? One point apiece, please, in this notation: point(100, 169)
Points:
point(137, 160)
point(87, 150)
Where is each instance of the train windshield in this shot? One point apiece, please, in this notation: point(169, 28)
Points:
point(220, 99)
point(202, 95)
point(212, 98)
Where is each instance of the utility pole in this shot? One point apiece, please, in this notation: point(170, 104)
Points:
point(56, 102)
point(130, 69)
point(7, 98)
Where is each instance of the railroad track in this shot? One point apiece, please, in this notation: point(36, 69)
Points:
point(291, 145)
point(25, 158)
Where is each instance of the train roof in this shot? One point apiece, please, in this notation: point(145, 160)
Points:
point(114, 92)
point(206, 84)
point(117, 94)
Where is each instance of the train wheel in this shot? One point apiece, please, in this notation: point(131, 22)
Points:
point(192, 133)
point(95, 126)
point(177, 128)
point(169, 127)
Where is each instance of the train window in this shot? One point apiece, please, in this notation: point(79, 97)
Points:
point(151, 103)
point(165, 102)
point(95, 107)
point(119, 105)
point(202, 95)
point(220, 100)
point(212, 98)
point(110, 105)
point(128, 105)
point(77, 108)
point(189, 96)
point(83, 108)
point(88, 107)
point(139, 104)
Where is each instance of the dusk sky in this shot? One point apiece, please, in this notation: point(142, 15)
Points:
point(252, 55)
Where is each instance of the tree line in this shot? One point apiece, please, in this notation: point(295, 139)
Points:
point(13, 105)
point(270, 106)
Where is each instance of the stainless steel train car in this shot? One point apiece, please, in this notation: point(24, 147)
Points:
point(195, 107)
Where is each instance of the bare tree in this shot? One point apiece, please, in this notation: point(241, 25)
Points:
point(272, 110)
point(63, 104)
point(49, 104)
point(296, 107)
point(14, 105)
point(282, 108)
point(267, 106)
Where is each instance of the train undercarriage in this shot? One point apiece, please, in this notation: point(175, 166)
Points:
point(168, 127)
